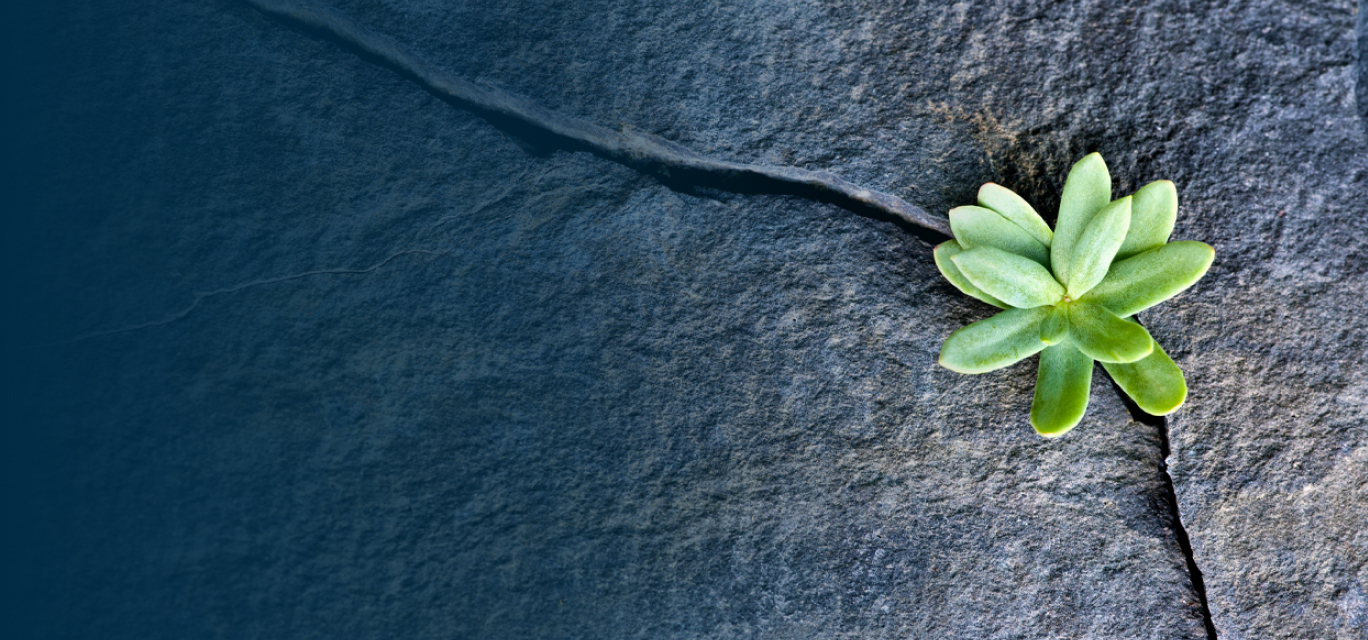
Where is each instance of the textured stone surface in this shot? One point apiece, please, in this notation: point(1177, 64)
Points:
point(430, 385)
point(1362, 61)
point(1271, 457)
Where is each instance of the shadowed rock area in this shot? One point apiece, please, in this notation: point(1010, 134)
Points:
point(350, 362)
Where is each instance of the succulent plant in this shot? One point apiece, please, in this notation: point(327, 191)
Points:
point(1069, 293)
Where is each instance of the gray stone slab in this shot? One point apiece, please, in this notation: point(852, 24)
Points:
point(386, 373)
point(1271, 459)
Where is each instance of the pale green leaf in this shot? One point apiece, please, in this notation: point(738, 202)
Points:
point(1154, 382)
point(1056, 327)
point(1104, 336)
point(1154, 208)
point(978, 227)
point(1020, 282)
point(993, 343)
point(1138, 283)
point(1063, 385)
point(1015, 209)
point(1086, 191)
point(1092, 254)
point(948, 249)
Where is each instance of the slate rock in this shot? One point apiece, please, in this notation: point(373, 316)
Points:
point(351, 362)
point(1361, 32)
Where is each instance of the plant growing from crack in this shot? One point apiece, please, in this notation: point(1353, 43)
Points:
point(1069, 293)
point(1066, 293)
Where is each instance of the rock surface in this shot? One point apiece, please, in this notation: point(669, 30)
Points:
point(377, 371)
point(1271, 457)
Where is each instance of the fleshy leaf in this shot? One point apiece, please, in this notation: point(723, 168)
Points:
point(1056, 327)
point(1138, 283)
point(1102, 335)
point(1154, 208)
point(1092, 254)
point(1086, 191)
point(1016, 210)
point(978, 227)
point(1154, 382)
point(948, 249)
point(1020, 282)
point(993, 343)
point(1063, 385)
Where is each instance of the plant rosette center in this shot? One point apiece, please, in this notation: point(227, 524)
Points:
point(1070, 293)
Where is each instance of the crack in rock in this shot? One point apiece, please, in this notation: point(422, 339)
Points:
point(676, 167)
point(673, 164)
point(1184, 542)
point(1170, 497)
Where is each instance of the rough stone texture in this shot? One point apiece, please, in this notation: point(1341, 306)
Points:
point(1362, 88)
point(431, 385)
point(1271, 457)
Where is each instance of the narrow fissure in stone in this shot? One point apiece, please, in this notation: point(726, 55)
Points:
point(539, 131)
point(1171, 497)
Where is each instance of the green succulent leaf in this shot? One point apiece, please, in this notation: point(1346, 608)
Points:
point(1016, 210)
point(1154, 382)
point(1138, 283)
point(1092, 254)
point(1086, 191)
point(1068, 294)
point(1154, 209)
point(1102, 335)
point(1063, 385)
point(1020, 282)
point(979, 227)
point(993, 343)
point(943, 253)
point(1056, 327)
